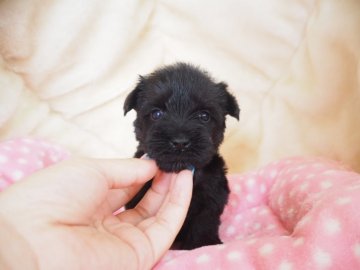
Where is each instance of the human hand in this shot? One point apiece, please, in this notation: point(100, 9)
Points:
point(62, 217)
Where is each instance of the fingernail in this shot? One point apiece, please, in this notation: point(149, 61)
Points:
point(145, 157)
point(192, 169)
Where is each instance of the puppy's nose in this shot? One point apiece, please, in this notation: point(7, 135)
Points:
point(180, 143)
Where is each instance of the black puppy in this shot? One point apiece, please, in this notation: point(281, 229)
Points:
point(180, 124)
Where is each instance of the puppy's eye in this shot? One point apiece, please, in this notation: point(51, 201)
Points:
point(156, 114)
point(204, 116)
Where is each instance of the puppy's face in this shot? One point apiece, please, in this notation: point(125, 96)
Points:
point(180, 116)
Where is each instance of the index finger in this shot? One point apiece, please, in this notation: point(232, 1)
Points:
point(96, 175)
point(125, 172)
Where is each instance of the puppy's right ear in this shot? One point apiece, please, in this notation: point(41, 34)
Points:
point(131, 100)
point(231, 105)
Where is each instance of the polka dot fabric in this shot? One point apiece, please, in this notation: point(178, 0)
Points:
point(21, 157)
point(293, 214)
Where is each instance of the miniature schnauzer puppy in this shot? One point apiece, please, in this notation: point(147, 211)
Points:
point(180, 124)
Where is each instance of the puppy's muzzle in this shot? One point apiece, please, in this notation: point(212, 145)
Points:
point(180, 144)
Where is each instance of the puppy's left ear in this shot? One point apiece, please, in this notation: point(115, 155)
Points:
point(231, 105)
point(131, 100)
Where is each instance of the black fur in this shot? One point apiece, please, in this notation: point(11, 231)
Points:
point(180, 123)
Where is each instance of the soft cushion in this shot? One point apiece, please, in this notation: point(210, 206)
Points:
point(296, 213)
point(293, 214)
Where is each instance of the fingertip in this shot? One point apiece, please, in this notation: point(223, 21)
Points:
point(148, 160)
point(146, 166)
point(125, 172)
point(145, 157)
point(192, 169)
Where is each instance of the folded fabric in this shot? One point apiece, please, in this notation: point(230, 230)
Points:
point(296, 213)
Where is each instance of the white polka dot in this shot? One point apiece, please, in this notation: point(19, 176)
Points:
point(233, 256)
point(250, 183)
point(294, 177)
point(305, 220)
point(266, 249)
point(256, 226)
point(262, 188)
point(237, 188)
point(285, 265)
point(304, 186)
point(7, 148)
point(169, 262)
point(291, 213)
point(220, 247)
point(326, 184)
point(270, 227)
point(251, 241)
point(298, 242)
point(263, 212)
point(322, 258)
point(233, 203)
point(3, 159)
point(273, 173)
point(230, 230)
point(356, 249)
point(22, 161)
point(250, 198)
point(332, 226)
point(25, 149)
point(17, 175)
point(203, 258)
point(238, 217)
point(343, 200)
point(310, 176)
point(317, 165)
point(167, 256)
point(301, 167)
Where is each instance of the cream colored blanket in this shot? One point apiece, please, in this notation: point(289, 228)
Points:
point(66, 67)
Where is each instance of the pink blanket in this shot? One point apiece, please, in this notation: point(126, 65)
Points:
point(21, 157)
point(293, 214)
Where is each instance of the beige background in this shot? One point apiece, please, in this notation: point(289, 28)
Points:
point(66, 67)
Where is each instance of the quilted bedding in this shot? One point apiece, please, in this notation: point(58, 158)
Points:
point(66, 67)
